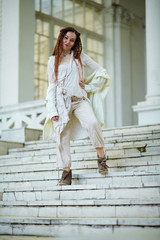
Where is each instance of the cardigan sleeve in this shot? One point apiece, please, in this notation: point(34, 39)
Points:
point(50, 70)
point(89, 62)
point(51, 91)
point(94, 85)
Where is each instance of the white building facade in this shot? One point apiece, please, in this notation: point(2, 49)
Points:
point(123, 36)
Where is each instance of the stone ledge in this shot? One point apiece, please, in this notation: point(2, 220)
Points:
point(137, 211)
point(6, 145)
point(86, 221)
point(118, 153)
point(107, 139)
point(148, 112)
point(81, 166)
point(16, 237)
point(21, 134)
point(80, 148)
point(106, 194)
point(144, 181)
point(84, 202)
point(69, 231)
point(54, 176)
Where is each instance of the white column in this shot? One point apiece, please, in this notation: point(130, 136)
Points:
point(17, 52)
point(0, 42)
point(153, 49)
point(149, 111)
point(118, 62)
point(26, 50)
point(9, 53)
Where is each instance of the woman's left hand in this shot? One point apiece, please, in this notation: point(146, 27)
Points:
point(81, 83)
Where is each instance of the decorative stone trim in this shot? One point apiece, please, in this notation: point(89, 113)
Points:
point(29, 114)
point(117, 14)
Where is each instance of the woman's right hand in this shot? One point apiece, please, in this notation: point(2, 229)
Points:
point(55, 118)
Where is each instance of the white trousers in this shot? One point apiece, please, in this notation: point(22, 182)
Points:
point(82, 110)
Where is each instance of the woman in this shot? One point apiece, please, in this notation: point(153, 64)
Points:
point(67, 102)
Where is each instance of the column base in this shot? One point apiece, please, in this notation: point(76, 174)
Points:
point(148, 112)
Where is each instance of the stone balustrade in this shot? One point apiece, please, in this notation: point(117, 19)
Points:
point(28, 114)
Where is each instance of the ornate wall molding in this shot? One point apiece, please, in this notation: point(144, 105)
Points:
point(117, 14)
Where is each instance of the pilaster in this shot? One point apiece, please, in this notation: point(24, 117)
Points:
point(117, 24)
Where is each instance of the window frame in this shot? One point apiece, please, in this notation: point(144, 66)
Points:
point(85, 33)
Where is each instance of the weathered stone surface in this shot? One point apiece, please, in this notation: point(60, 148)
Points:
point(5, 145)
point(126, 199)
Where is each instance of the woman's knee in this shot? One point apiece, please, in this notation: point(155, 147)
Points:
point(93, 125)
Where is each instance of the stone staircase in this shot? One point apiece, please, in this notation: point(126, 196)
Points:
point(126, 200)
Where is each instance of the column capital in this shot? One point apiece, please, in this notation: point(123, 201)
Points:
point(117, 14)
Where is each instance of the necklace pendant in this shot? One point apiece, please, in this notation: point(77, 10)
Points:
point(65, 54)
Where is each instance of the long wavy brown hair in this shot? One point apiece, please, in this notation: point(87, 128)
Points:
point(77, 48)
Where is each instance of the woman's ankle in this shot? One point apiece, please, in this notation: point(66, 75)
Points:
point(100, 152)
point(67, 169)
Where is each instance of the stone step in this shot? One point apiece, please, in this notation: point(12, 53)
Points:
point(98, 209)
point(48, 156)
point(121, 178)
point(26, 171)
point(86, 147)
point(80, 144)
point(86, 142)
point(85, 202)
point(116, 139)
point(128, 134)
point(80, 169)
point(42, 164)
point(129, 193)
point(82, 228)
point(38, 162)
point(51, 173)
point(6, 145)
point(112, 153)
point(116, 133)
point(111, 180)
point(21, 237)
point(131, 156)
point(131, 130)
point(106, 193)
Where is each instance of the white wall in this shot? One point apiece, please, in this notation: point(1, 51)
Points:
point(17, 55)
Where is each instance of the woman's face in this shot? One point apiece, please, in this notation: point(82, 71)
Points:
point(68, 41)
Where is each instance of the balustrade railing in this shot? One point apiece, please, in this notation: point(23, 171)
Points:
point(28, 114)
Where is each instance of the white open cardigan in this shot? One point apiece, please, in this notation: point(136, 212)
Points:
point(58, 102)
